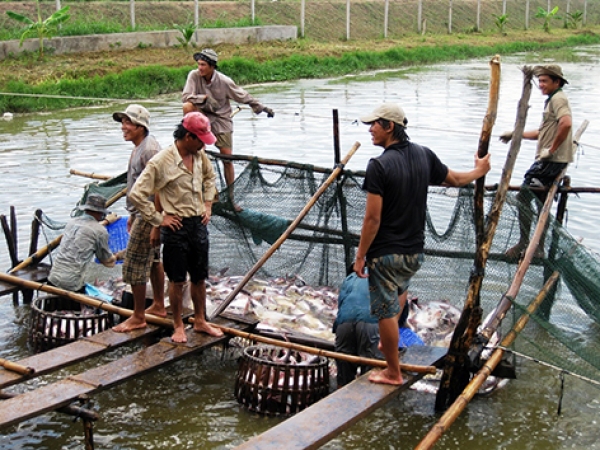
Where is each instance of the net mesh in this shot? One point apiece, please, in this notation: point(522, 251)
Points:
point(563, 331)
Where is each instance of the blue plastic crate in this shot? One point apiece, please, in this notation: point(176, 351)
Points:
point(408, 338)
point(117, 236)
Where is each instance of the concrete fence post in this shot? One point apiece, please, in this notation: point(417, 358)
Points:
point(347, 20)
point(585, 12)
point(196, 13)
point(450, 18)
point(252, 11)
point(132, 13)
point(385, 18)
point(527, 14)
point(420, 16)
point(302, 16)
point(478, 15)
point(503, 7)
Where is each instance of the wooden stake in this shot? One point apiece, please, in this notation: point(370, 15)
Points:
point(287, 232)
point(92, 175)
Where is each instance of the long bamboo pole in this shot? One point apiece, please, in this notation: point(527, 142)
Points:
point(287, 232)
point(320, 352)
point(456, 367)
point(80, 298)
point(467, 395)
point(42, 252)
point(17, 368)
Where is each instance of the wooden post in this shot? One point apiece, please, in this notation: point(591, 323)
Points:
point(450, 18)
point(10, 243)
point(35, 231)
point(456, 365)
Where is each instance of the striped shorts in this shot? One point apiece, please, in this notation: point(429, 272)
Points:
point(140, 254)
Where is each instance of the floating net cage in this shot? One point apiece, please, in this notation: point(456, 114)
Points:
point(57, 321)
point(275, 381)
point(564, 331)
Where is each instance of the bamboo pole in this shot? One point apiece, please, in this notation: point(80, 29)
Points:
point(287, 232)
point(467, 395)
point(42, 252)
point(456, 366)
point(17, 368)
point(93, 175)
point(80, 298)
point(320, 352)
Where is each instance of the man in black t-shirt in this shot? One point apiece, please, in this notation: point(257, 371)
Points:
point(393, 231)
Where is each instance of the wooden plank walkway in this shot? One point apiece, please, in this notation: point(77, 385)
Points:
point(324, 420)
point(74, 352)
point(62, 393)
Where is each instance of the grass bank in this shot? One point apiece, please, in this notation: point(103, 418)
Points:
point(147, 73)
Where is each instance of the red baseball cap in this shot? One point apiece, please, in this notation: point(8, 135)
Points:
point(198, 124)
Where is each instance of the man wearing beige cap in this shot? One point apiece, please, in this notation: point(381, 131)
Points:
point(184, 179)
point(393, 232)
point(209, 91)
point(554, 150)
point(142, 257)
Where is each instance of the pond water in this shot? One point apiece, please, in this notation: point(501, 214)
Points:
point(190, 404)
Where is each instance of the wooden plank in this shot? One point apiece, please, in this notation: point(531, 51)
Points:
point(324, 420)
point(61, 393)
point(83, 348)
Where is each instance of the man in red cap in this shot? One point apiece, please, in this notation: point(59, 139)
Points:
point(184, 178)
point(554, 150)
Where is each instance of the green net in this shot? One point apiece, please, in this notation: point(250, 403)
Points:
point(564, 330)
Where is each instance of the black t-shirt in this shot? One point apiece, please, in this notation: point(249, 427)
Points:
point(401, 176)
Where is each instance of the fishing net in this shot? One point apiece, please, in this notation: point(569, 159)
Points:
point(564, 331)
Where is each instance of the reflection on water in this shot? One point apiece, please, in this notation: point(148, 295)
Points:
point(191, 404)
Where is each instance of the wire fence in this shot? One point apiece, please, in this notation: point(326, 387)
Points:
point(331, 20)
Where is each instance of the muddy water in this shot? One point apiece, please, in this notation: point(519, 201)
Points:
point(191, 404)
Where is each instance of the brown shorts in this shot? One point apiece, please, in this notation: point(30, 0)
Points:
point(224, 140)
point(139, 255)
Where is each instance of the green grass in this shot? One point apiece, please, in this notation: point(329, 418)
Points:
point(151, 81)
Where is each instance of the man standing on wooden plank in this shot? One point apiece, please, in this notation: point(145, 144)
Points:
point(554, 150)
point(393, 232)
point(83, 238)
point(184, 179)
point(209, 91)
point(142, 257)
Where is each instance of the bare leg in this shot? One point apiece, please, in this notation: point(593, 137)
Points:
point(157, 279)
point(176, 299)
point(138, 318)
point(198, 291)
point(388, 332)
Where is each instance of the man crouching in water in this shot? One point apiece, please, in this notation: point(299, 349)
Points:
point(184, 179)
point(393, 231)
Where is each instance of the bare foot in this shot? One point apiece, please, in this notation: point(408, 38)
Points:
point(132, 323)
point(205, 327)
point(382, 377)
point(157, 310)
point(179, 336)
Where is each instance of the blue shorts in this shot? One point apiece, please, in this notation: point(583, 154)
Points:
point(186, 251)
point(389, 276)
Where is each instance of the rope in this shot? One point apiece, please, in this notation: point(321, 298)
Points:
point(551, 366)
